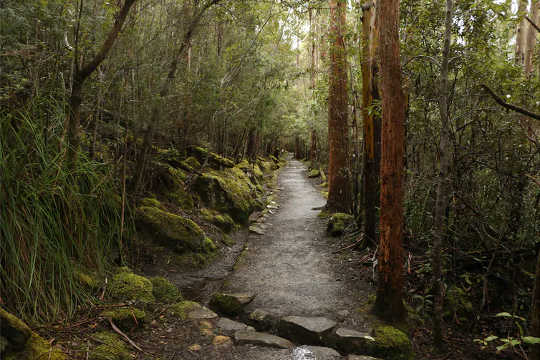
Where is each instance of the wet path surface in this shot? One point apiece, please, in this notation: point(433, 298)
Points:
point(291, 268)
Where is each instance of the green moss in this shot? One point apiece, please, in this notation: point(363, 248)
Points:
point(193, 260)
point(36, 348)
point(3, 344)
point(338, 222)
point(314, 173)
point(214, 160)
point(223, 221)
point(171, 230)
point(164, 291)
point(110, 348)
point(229, 241)
point(392, 344)
point(226, 304)
point(183, 308)
point(323, 176)
point(128, 286)
point(87, 280)
point(324, 214)
point(190, 164)
point(14, 329)
point(229, 191)
point(183, 199)
point(125, 318)
point(209, 246)
point(151, 202)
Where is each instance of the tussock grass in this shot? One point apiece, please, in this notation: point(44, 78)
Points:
point(52, 220)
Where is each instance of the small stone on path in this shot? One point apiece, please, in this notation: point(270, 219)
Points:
point(324, 353)
point(257, 338)
point(231, 304)
point(194, 347)
point(350, 341)
point(229, 325)
point(256, 230)
point(262, 319)
point(305, 330)
point(201, 313)
point(221, 340)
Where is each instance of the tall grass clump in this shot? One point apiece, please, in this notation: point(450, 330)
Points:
point(53, 220)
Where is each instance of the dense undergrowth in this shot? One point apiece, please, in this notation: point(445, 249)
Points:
point(53, 220)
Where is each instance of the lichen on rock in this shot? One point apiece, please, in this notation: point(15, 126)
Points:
point(164, 291)
point(129, 286)
point(173, 231)
point(111, 347)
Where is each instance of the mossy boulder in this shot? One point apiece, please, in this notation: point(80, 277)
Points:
point(126, 318)
point(14, 330)
point(111, 347)
point(183, 308)
point(230, 304)
point(129, 286)
point(153, 202)
point(391, 344)
point(338, 222)
point(171, 230)
point(208, 246)
point(190, 164)
point(164, 291)
point(222, 221)
point(214, 160)
point(229, 191)
point(314, 173)
point(252, 170)
point(36, 348)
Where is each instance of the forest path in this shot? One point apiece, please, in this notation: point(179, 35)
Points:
point(292, 268)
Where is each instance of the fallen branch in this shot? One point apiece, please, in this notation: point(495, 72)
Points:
point(115, 328)
point(515, 108)
point(359, 241)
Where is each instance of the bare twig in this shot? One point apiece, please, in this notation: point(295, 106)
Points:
point(532, 23)
point(515, 108)
point(116, 329)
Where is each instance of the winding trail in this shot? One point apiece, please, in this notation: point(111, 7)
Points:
point(292, 268)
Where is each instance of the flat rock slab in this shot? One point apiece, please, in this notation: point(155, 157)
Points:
point(201, 314)
point(350, 341)
point(361, 357)
point(262, 339)
point(305, 330)
point(232, 303)
point(262, 320)
point(324, 353)
point(256, 230)
point(228, 325)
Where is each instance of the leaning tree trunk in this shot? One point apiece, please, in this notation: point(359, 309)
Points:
point(339, 178)
point(443, 186)
point(389, 303)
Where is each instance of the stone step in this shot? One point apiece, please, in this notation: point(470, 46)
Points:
point(305, 330)
point(243, 337)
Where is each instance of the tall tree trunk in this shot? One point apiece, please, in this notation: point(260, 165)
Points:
point(73, 120)
point(372, 123)
point(313, 150)
point(389, 303)
point(531, 37)
point(443, 186)
point(535, 312)
point(339, 178)
point(521, 33)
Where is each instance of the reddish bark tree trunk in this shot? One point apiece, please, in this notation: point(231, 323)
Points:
point(389, 303)
point(339, 178)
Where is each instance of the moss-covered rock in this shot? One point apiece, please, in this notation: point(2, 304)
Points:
point(183, 308)
point(338, 222)
point(230, 304)
point(3, 344)
point(126, 318)
point(223, 221)
point(323, 176)
point(164, 291)
point(190, 164)
point(214, 160)
point(151, 202)
point(209, 246)
point(229, 191)
point(36, 348)
point(314, 173)
point(111, 347)
point(14, 330)
point(391, 344)
point(129, 286)
point(173, 231)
